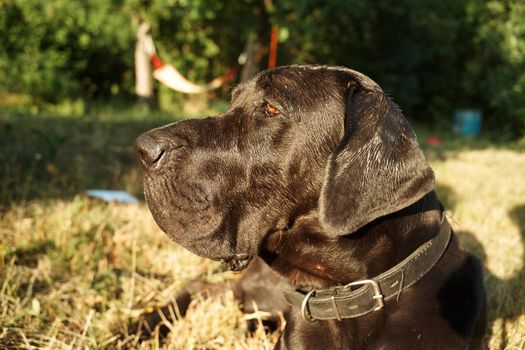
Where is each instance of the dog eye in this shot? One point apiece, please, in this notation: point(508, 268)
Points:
point(270, 111)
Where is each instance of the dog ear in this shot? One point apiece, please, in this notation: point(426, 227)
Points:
point(378, 167)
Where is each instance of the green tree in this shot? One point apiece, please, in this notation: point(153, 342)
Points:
point(495, 70)
point(431, 56)
point(57, 49)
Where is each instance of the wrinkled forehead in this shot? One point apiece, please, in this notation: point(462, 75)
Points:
point(290, 87)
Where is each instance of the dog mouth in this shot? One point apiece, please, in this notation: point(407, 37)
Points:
point(237, 262)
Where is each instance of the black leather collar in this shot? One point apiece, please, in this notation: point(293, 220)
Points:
point(347, 302)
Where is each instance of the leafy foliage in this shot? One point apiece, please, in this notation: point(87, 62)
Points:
point(431, 56)
point(497, 71)
point(58, 49)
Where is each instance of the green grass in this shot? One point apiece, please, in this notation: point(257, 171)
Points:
point(74, 272)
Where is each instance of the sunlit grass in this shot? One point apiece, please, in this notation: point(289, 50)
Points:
point(75, 272)
point(486, 191)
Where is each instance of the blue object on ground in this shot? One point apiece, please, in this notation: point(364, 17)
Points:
point(467, 122)
point(113, 196)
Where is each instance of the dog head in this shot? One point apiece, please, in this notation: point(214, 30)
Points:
point(296, 140)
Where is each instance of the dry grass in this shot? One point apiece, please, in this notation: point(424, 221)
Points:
point(75, 272)
point(485, 191)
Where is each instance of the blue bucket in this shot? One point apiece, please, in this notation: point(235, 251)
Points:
point(467, 122)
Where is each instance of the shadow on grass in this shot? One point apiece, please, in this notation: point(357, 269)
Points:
point(57, 157)
point(504, 293)
point(446, 195)
point(28, 256)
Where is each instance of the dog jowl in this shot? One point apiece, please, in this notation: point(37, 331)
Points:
point(220, 186)
point(316, 171)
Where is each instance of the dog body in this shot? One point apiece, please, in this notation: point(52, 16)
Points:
point(314, 171)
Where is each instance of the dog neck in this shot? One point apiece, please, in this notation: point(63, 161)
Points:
point(308, 257)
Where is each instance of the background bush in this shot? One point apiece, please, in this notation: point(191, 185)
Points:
point(431, 56)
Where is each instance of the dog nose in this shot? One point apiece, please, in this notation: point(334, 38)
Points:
point(149, 150)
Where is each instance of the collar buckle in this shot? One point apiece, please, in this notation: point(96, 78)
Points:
point(333, 303)
point(378, 296)
point(305, 311)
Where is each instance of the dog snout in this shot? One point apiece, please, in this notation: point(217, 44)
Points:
point(150, 150)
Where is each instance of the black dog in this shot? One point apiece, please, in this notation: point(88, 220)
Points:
point(314, 170)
